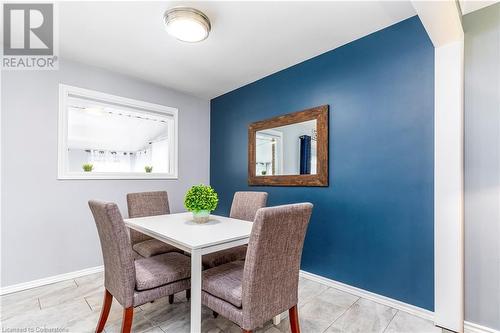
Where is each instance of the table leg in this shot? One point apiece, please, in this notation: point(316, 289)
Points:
point(277, 320)
point(195, 291)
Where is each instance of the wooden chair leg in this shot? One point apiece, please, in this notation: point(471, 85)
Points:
point(128, 316)
point(170, 299)
point(188, 294)
point(106, 306)
point(294, 319)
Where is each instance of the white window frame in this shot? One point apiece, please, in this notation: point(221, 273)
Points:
point(62, 164)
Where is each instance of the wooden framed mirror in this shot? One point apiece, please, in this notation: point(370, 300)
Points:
point(289, 150)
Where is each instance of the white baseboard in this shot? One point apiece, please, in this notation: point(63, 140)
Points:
point(414, 310)
point(475, 328)
point(49, 280)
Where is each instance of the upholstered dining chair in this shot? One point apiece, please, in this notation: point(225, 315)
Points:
point(148, 204)
point(253, 291)
point(144, 204)
point(244, 207)
point(133, 282)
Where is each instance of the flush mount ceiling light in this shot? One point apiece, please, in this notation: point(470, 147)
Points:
point(187, 24)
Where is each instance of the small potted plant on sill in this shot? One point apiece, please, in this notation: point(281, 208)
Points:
point(201, 200)
point(88, 167)
point(148, 168)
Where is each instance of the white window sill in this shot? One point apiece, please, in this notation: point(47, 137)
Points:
point(112, 175)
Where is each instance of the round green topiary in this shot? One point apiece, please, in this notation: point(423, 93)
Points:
point(201, 197)
point(88, 167)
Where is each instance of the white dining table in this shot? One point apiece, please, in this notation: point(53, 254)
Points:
point(179, 230)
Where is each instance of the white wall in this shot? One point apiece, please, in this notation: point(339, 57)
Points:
point(448, 187)
point(47, 228)
point(482, 167)
point(442, 21)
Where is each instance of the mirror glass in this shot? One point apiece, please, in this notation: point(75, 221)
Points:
point(287, 150)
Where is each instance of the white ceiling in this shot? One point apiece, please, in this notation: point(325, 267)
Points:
point(249, 40)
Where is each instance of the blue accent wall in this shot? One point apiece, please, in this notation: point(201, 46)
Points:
point(372, 228)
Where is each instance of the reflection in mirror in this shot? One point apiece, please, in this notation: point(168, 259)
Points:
point(287, 150)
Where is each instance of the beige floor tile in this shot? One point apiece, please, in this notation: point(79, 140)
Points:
point(67, 292)
point(309, 289)
point(283, 327)
point(321, 311)
point(139, 324)
point(76, 304)
point(91, 279)
point(177, 318)
point(160, 311)
point(154, 330)
point(96, 298)
point(364, 316)
point(406, 323)
point(58, 288)
point(73, 316)
point(11, 305)
point(90, 284)
point(223, 324)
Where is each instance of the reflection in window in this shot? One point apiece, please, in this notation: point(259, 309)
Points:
point(106, 138)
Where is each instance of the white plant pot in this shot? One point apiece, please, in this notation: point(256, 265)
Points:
point(201, 216)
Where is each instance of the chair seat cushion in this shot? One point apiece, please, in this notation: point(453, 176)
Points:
point(136, 255)
point(162, 269)
point(152, 247)
point(224, 282)
point(223, 257)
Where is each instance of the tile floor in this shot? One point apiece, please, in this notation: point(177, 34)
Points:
point(74, 305)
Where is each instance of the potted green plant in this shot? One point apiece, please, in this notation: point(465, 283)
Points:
point(148, 168)
point(201, 200)
point(88, 167)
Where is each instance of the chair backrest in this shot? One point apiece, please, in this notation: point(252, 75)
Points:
point(271, 273)
point(246, 204)
point(146, 204)
point(119, 269)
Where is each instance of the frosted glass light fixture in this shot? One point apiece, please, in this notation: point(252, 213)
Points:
point(187, 24)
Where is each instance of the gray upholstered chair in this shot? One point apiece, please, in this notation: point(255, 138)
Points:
point(253, 291)
point(244, 207)
point(148, 204)
point(133, 282)
point(246, 204)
